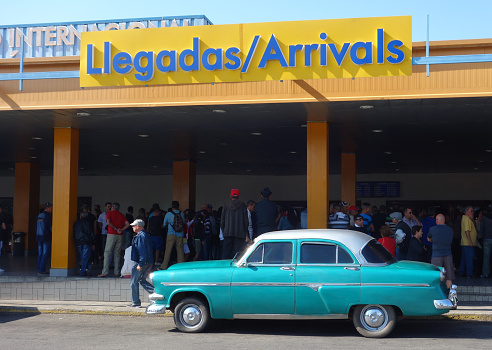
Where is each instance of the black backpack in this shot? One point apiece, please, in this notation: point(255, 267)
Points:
point(178, 224)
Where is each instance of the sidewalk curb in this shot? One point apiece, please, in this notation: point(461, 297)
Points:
point(35, 310)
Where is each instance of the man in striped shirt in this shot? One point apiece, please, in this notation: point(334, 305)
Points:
point(338, 219)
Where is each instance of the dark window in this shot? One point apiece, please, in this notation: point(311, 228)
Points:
point(324, 254)
point(375, 253)
point(344, 257)
point(272, 253)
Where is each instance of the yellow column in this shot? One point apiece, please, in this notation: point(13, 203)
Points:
point(65, 187)
point(26, 203)
point(317, 174)
point(349, 178)
point(184, 183)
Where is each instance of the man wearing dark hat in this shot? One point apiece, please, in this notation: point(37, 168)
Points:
point(43, 237)
point(266, 213)
point(234, 224)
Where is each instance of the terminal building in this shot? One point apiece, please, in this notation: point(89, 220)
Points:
point(181, 109)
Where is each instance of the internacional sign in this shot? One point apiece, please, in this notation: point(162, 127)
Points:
point(319, 49)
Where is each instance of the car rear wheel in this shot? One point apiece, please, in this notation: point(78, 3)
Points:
point(374, 321)
point(191, 315)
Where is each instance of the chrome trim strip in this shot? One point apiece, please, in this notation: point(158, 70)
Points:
point(181, 284)
point(261, 284)
point(274, 284)
point(290, 317)
point(395, 285)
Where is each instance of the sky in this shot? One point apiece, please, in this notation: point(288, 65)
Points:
point(449, 19)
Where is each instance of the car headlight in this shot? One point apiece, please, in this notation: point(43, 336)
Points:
point(443, 274)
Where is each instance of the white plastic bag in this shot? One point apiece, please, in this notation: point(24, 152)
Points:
point(399, 236)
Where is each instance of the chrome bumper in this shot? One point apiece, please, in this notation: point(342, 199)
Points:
point(450, 303)
point(155, 309)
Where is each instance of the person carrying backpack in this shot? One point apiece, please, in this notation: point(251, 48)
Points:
point(174, 221)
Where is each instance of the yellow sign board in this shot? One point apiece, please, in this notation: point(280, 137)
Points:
point(320, 49)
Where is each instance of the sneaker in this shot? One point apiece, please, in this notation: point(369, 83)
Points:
point(134, 306)
point(44, 273)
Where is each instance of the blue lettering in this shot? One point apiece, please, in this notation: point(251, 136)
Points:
point(273, 53)
point(122, 63)
point(195, 57)
point(107, 57)
point(322, 55)
point(206, 59)
point(308, 50)
point(171, 67)
point(339, 56)
point(367, 59)
point(146, 71)
point(292, 54)
point(380, 58)
point(394, 49)
point(234, 61)
point(90, 61)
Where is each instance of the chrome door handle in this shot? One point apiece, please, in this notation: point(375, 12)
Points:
point(352, 268)
point(287, 268)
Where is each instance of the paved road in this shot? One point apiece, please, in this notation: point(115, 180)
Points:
point(62, 331)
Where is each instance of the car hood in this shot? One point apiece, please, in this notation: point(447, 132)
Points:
point(201, 264)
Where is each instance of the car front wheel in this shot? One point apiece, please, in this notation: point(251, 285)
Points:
point(374, 321)
point(191, 315)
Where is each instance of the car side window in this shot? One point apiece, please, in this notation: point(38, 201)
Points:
point(272, 253)
point(312, 253)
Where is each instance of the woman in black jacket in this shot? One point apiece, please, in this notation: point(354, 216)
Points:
point(416, 248)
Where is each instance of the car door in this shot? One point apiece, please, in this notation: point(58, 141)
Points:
point(327, 278)
point(265, 284)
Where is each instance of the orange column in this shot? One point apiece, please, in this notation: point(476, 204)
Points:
point(65, 186)
point(348, 178)
point(184, 183)
point(26, 203)
point(317, 174)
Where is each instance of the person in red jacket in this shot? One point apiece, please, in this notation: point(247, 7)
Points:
point(386, 240)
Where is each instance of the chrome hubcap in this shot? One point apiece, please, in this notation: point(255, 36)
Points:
point(374, 317)
point(191, 315)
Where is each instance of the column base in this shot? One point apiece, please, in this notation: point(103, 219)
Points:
point(63, 272)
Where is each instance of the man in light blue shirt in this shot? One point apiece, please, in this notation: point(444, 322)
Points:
point(175, 231)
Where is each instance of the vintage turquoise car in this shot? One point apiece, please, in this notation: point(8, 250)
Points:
point(304, 274)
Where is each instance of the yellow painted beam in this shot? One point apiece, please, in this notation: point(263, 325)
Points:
point(184, 183)
point(26, 202)
point(317, 174)
point(65, 186)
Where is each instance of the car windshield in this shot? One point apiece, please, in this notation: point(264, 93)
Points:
point(375, 253)
point(240, 254)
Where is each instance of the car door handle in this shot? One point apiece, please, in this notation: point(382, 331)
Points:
point(352, 268)
point(287, 268)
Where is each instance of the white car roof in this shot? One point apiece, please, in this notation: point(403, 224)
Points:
point(353, 240)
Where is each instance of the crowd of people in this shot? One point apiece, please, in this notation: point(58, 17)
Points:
point(457, 238)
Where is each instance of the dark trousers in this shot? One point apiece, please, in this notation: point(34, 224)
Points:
point(232, 245)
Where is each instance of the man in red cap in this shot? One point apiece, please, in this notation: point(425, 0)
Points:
point(234, 224)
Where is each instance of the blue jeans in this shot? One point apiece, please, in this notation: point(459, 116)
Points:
point(487, 248)
point(84, 251)
point(139, 277)
point(44, 249)
point(467, 256)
